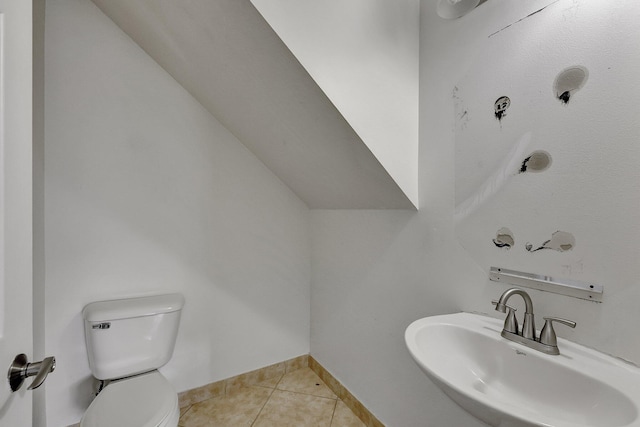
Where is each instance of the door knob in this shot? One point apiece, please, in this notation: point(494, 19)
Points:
point(21, 369)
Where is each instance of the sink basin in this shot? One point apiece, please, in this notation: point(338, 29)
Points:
point(506, 384)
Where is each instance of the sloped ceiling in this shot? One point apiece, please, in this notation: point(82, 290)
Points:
point(226, 55)
point(364, 55)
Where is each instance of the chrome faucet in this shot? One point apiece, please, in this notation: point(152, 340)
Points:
point(528, 325)
point(547, 343)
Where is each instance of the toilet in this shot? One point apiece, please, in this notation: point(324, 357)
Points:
point(127, 341)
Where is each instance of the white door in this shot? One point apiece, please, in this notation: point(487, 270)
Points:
point(15, 204)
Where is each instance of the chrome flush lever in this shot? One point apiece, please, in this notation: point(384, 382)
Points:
point(21, 369)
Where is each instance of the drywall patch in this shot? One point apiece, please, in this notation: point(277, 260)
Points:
point(504, 238)
point(560, 241)
point(569, 81)
point(500, 107)
point(572, 269)
point(537, 161)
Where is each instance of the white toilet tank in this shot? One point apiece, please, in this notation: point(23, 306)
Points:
point(129, 336)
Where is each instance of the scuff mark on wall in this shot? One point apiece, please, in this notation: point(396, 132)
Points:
point(500, 107)
point(496, 181)
point(571, 11)
point(504, 238)
point(565, 96)
point(560, 241)
point(461, 113)
point(522, 19)
point(523, 168)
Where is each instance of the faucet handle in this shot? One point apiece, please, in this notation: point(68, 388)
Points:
point(510, 323)
point(548, 334)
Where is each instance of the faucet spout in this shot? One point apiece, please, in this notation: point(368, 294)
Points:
point(528, 325)
point(502, 302)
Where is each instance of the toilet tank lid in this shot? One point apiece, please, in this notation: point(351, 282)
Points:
point(132, 307)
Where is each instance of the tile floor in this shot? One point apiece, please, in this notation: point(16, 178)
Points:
point(296, 399)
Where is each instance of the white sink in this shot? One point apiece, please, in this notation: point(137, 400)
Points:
point(509, 385)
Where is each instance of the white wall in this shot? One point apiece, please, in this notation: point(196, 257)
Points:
point(374, 272)
point(591, 188)
point(147, 192)
point(364, 56)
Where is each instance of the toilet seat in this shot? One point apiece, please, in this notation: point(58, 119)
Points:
point(146, 400)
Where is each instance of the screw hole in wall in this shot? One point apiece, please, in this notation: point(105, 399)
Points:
point(569, 81)
point(538, 161)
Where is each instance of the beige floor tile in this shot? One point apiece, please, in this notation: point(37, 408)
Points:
point(305, 381)
point(237, 409)
point(344, 417)
point(287, 409)
point(183, 411)
point(270, 383)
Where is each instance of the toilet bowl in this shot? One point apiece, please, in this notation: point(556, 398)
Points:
point(127, 341)
point(146, 400)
